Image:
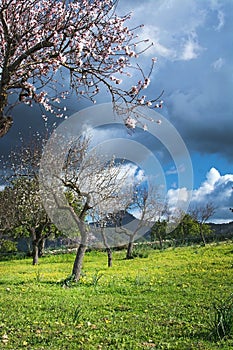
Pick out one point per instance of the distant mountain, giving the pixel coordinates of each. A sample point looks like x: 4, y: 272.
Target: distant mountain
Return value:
x: 222, y: 229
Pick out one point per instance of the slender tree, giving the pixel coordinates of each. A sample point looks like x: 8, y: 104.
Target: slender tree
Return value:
x: 159, y: 231
x: 145, y: 206
x: 82, y: 40
x: 24, y: 214
x: 22, y: 211
x: 108, y: 215
x: 201, y: 214
x: 96, y: 184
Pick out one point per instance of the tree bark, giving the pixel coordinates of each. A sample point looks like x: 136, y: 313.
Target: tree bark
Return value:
x: 108, y: 249
x: 78, y: 262
x: 129, y: 250
x: 109, y: 252
x: 35, y: 252
x: 202, y: 235
x: 41, y: 247
x: 160, y: 241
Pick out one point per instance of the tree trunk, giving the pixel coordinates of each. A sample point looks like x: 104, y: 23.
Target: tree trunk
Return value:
x: 109, y: 252
x: 108, y: 249
x: 35, y: 252
x: 160, y: 241
x: 35, y: 246
x: 202, y: 235
x: 29, y: 246
x: 5, y: 121
x: 41, y: 247
x: 78, y: 263
x: 129, y: 250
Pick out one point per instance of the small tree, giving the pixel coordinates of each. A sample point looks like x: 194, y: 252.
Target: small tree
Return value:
x: 96, y: 184
x: 145, y: 206
x: 24, y: 214
x: 81, y: 39
x: 108, y: 215
x: 201, y: 214
x: 22, y: 211
x: 159, y: 231
x: 188, y: 227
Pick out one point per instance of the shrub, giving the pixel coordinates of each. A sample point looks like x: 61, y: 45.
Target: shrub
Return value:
x: 140, y: 252
x: 7, y: 246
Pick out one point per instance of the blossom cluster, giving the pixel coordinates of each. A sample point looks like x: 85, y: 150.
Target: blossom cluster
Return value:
x: 86, y: 38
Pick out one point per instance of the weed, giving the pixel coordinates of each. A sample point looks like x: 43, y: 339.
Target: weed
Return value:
x: 96, y: 277
x: 68, y: 281
x: 77, y: 314
x: 221, y: 319
x: 38, y: 276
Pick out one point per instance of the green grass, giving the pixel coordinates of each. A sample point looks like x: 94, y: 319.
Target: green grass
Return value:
x: 163, y: 301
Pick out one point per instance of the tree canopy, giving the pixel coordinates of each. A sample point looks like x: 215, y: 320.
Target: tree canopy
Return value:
x: 84, y: 40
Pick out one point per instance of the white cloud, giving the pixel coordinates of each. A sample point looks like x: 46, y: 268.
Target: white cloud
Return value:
x: 168, y: 25
x: 217, y: 65
x: 181, y: 193
x: 207, y: 187
x: 216, y: 189
x: 153, y: 33
x: 163, y: 51
x: 173, y: 170
x: 191, y: 50
x: 221, y: 20
x: 2, y: 187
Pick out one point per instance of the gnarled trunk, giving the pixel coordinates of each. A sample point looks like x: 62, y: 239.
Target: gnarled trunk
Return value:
x: 36, y: 240
x: 5, y: 121
x: 78, y: 262
x: 109, y: 252
x: 35, y: 252
x: 108, y: 249
x: 35, y: 246
x: 129, y: 250
x: 41, y: 247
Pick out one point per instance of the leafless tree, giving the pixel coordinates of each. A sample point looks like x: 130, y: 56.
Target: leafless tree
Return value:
x: 145, y: 206
x: 201, y: 213
x: 97, y: 184
x: 108, y: 215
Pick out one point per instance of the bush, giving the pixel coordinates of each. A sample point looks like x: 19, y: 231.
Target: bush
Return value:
x: 7, y: 246
x: 140, y: 252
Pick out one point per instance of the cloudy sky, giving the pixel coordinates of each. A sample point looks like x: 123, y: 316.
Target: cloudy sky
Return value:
x: 194, y: 48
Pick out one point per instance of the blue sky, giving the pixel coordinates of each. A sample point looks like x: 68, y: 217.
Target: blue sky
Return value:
x: 194, y: 47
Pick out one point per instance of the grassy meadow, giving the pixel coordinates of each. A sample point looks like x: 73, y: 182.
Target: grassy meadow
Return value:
x: 163, y: 301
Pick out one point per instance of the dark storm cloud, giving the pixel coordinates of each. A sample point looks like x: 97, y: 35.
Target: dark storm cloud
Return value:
x: 194, y: 47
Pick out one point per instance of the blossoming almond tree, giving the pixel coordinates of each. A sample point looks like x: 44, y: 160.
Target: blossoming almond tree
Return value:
x: 98, y: 185
x: 84, y: 40
x: 21, y: 209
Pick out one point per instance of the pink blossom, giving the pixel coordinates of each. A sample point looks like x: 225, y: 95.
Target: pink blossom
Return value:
x: 85, y: 39
x: 130, y: 123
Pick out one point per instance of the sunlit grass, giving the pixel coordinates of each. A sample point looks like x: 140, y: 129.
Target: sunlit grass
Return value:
x: 159, y: 302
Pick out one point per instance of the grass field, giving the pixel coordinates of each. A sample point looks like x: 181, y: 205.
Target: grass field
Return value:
x: 164, y: 301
